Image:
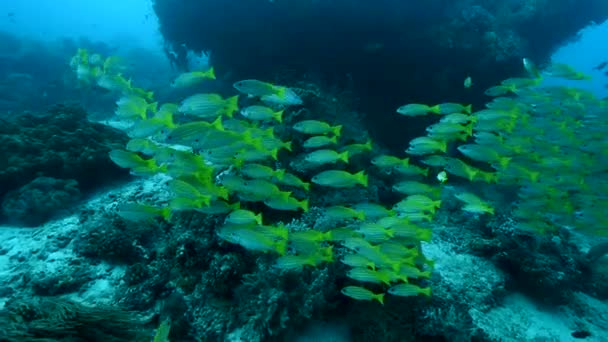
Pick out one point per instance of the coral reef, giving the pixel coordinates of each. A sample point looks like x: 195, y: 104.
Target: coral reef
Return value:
x: 545, y: 267
x: 54, y: 319
x: 39, y: 200
x: 60, y: 143
x: 220, y: 288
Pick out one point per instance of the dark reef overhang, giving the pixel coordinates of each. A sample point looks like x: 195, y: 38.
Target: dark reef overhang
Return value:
x: 394, y: 51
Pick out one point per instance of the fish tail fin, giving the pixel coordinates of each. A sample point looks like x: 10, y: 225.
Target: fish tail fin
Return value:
x: 274, y: 153
x: 281, y: 231
x: 232, y: 105
x: 217, y: 124
x: 304, y: 205
x: 468, y: 130
x: 281, y: 247
x: 344, y: 156
x: 279, y: 174
x: 165, y: 118
x: 362, y: 178
x: 336, y: 130
x: 278, y: 116
x: 206, y: 200
x: 210, y: 73
x: 166, y: 213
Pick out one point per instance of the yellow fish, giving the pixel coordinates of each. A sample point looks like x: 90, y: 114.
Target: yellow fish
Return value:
x: 360, y: 293
x: 192, y: 78
x: 340, y: 179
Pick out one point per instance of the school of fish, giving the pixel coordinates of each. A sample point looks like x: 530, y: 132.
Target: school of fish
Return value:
x: 542, y: 141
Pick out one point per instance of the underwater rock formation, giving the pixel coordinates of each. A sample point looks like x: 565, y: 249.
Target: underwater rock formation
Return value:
x: 40, y: 200
x: 60, y: 144
x: 390, y: 50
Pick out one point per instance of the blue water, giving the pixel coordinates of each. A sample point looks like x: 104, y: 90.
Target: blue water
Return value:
x: 586, y: 53
x: 133, y: 23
